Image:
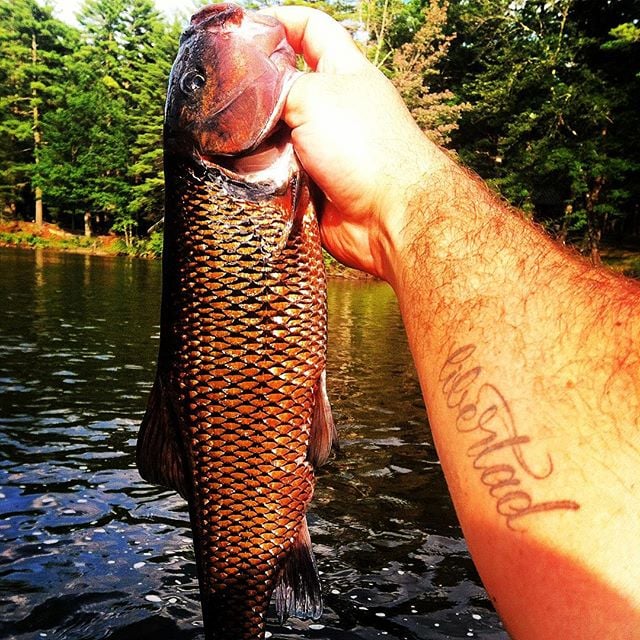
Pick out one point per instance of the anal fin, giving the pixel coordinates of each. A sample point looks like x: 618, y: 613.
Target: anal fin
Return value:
x: 159, y: 454
x: 323, y: 437
x: 298, y: 591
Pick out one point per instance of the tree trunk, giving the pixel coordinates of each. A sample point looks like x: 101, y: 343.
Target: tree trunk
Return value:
x: 563, y: 232
x: 87, y: 224
x: 594, y: 226
x: 381, y: 35
x: 39, y: 210
x: 594, y: 247
x: 37, y: 139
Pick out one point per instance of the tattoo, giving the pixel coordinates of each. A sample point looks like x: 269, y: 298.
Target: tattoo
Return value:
x: 499, y: 453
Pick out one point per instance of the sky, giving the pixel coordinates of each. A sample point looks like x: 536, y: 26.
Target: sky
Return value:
x: 65, y: 9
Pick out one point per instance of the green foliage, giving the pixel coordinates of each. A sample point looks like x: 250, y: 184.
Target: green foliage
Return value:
x: 623, y: 36
x: 554, y: 123
x: 146, y: 247
x: 416, y: 72
x: 146, y: 170
x: 94, y: 142
x: 154, y: 243
x: 30, y: 240
x: 84, y: 164
x: 33, y: 47
x: 545, y: 93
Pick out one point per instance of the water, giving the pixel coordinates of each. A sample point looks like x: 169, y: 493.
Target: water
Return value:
x: 89, y: 551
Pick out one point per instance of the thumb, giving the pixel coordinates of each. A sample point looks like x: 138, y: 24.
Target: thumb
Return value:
x: 325, y: 45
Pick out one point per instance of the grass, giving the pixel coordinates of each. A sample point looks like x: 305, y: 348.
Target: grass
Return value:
x: 25, y: 239
x: 26, y: 236
x: 51, y: 237
x: 625, y: 261
x: 148, y: 247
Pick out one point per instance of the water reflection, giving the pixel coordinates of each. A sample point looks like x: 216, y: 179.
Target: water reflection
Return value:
x: 87, y: 550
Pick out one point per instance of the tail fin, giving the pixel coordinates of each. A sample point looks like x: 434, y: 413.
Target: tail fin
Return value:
x: 298, y: 591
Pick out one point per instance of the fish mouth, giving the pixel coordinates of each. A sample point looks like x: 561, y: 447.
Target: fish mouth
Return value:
x: 271, y: 162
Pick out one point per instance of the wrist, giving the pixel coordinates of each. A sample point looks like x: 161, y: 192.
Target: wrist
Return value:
x: 412, y: 214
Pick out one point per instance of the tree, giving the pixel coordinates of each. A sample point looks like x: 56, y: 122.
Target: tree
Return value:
x: 416, y: 68
x: 409, y: 41
x: 136, y: 49
x: 33, y: 45
x: 86, y: 157
x: 378, y: 17
x: 146, y: 170
x: 104, y: 156
x: 550, y: 113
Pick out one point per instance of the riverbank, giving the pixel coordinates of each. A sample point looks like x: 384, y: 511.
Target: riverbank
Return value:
x: 622, y: 260
x: 27, y: 235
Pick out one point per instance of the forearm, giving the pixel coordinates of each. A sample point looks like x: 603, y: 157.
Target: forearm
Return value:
x: 529, y: 370
x: 528, y: 359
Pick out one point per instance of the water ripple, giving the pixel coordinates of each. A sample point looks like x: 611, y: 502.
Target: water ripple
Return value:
x: 88, y: 550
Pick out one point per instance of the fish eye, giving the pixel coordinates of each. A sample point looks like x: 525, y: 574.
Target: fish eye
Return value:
x: 192, y: 82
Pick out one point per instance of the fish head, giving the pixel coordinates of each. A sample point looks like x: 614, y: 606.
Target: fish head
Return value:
x: 226, y: 94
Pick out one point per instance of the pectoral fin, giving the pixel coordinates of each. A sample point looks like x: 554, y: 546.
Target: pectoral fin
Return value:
x: 323, y: 437
x: 159, y: 454
x: 297, y: 591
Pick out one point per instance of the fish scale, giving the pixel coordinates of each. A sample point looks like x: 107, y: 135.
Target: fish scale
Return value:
x: 238, y: 415
x: 245, y: 342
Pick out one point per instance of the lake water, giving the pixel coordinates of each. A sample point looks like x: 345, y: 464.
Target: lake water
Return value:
x: 88, y: 551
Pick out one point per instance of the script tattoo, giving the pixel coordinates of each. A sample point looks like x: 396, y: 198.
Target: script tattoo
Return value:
x: 498, y: 452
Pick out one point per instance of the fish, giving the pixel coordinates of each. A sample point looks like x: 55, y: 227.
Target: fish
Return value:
x: 238, y: 418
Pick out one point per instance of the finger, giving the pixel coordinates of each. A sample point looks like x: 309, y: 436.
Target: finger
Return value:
x: 325, y: 45
x: 305, y: 94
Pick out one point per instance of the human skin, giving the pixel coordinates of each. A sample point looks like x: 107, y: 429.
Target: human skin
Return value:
x: 528, y: 357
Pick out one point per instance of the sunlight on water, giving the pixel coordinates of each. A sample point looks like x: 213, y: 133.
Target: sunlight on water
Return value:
x: 88, y: 550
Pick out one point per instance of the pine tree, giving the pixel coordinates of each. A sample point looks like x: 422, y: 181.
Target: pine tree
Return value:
x: 146, y: 170
x: 86, y: 158
x: 137, y: 48
x: 33, y: 46
x: 114, y: 97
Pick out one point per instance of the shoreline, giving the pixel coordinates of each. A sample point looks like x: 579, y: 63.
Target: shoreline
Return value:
x: 28, y: 236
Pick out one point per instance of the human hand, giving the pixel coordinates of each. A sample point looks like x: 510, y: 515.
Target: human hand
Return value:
x: 357, y: 141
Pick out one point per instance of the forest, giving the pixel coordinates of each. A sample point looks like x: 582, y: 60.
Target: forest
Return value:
x: 539, y: 97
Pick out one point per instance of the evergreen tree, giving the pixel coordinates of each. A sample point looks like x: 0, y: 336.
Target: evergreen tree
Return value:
x: 33, y: 47
x: 136, y: 49
x: 146, y: 170
x: 104, y: 160
x: 554, y: 87
x: 85, y: 161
